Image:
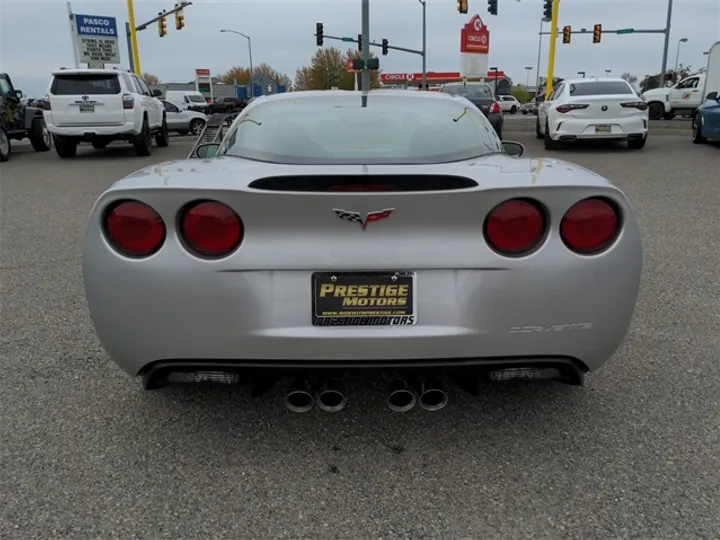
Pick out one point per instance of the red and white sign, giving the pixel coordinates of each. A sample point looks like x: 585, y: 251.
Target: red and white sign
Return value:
x: 475, y: 37
x: 393, y: 77
x: 202, y: 72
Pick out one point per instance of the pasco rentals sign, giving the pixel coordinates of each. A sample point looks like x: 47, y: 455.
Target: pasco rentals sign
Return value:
x: 96, y: 39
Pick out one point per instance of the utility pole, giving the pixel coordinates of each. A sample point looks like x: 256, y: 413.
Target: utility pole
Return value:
x: 661, y: 82
x: 424, y: 43
x: 365, y: 50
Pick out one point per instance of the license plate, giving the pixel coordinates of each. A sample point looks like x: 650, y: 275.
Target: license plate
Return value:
x: 363, y: 298
x: 84, y: 107
x: 603, y: 128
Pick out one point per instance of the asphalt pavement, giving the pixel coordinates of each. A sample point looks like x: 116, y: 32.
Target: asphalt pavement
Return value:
x: 86, y: 454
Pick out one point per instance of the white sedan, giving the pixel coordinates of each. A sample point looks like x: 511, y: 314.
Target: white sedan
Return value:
x: 580, y: 109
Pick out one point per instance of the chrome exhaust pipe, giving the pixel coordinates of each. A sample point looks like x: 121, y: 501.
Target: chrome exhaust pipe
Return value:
x: 432, y: 395
x: 331, y: 397
x: 299, y: 397
x: 400, y: 398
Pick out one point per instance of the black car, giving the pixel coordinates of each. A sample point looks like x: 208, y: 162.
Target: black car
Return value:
x: 481, y: 95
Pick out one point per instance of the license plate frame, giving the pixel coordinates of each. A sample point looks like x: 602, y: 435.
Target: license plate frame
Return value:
x: 87, y: 107
x: 328, y: 307
x: 603, y: 128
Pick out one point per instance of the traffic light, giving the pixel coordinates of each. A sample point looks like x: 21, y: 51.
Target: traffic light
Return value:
x: 162, y: 26
x: 493, y: 7
x: 179, y: 20
x: 567, y: 32
x: 360, y: 42
x: 597, y: 33
x: 462, y: 6
x: 384, y: 46
x: 547, y: 10
x: 319, y: 34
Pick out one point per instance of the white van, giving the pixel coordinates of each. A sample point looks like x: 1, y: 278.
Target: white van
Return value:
x: 188, y: 100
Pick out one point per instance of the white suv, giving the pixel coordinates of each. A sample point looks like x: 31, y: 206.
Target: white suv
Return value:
x: 101, y: 106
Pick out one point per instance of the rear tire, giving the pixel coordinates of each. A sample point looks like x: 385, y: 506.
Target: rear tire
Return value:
x: 162, y: 139
x: 538, y: 133
x: 65, y: 148
x: 99, y: 145
x: 5, y: 146
x: 697, y: 136
x: 656, y: 111
x: 549, y: 143
x: 196, y: 127
x: 637, y: 144
x: 143, y: 142
x: 39, y: 135
x: 513, y: 109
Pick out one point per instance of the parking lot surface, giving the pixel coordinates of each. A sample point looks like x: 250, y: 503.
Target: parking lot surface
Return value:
x: 85, y: 453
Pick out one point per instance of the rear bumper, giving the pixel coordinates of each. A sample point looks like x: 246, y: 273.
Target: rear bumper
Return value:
x: 620, y: 128
x: 470, y: 371
x: 87, y: 132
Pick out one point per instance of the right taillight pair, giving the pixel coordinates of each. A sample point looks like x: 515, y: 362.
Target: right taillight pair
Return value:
x: 128, y: 101
x: 207, y: 229
x: 641, y: 105
x: 518, y: 227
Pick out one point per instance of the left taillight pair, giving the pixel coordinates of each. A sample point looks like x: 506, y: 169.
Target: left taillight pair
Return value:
x: 207, y: 229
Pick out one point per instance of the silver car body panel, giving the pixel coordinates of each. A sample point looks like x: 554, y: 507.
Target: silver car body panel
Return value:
x: 256, y: 303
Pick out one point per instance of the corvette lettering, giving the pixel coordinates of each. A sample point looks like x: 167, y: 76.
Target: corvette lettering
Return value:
x: 573, y: 327
x: 356, y: 217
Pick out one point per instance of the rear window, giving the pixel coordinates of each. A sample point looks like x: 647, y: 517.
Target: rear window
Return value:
x: 600, y: 88
x: 338, y: 130
x: 79, y: 84
x: 469, y: 91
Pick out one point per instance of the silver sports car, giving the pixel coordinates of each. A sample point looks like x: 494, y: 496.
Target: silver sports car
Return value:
x: 327, y: 236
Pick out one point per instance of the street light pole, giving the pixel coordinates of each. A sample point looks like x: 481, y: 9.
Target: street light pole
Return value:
x: 661, y: 82
x: 424, y: 43
x: 252, y: 71
x: 537, y: 73
x: 677, y: 56
x: 527, y: 78
x: 608, y: 71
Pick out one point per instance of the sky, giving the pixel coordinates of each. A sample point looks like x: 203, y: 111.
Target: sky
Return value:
x: 35, y: 36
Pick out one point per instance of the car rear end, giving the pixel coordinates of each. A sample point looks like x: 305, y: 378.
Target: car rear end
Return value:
x: 481, y: 95
x: 601, y: 110
x: 89, y: 103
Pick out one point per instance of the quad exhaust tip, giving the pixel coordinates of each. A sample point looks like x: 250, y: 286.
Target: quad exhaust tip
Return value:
x: 400, y: 398
x: 299, y: 398
x: 331, y: 397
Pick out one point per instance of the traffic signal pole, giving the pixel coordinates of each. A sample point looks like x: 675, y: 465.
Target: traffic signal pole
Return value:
x: 365, y: 51
x: 551, y: 54
x: 135, y: 64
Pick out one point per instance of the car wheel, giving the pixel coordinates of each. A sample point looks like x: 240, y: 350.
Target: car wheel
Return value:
x: 40, y: 136
x: 697, y: 135
x: 669, y: 116
x: 524, y: 111
x: 656, y: 111
x: 550, y: 144
x: 196, y: 126
x: 4, y: 146
x: 513, y: 109
x: 162, y: 139
x: 637, y: 144
x: 99, y: 145
x: 65, y: 148
x: 538, y: 133
x: 143, y: 141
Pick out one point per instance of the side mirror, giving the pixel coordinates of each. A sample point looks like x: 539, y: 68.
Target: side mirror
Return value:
x: 713, y: 95
x: 18, y: 94
x: 206, y: 151
x: 513, y: 148
x: 156, y: 92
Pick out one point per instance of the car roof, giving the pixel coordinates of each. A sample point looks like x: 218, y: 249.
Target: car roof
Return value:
x: 315, y: 94
x: 87, y: 71
x: 594, y: 79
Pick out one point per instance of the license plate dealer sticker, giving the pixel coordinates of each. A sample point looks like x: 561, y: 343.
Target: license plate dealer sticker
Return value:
x: 603, y: 128
x: 363, y: 299
x: 87, y: 107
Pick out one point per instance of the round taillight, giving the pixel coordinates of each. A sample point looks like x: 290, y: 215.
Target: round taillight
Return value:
x: 211, y: 229
x: 515, y: 227
x: 134, y: 228
x: 590, y: 226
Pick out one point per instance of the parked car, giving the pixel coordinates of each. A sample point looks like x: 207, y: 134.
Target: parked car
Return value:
x: 184, y: 121
x: 509, y: 104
